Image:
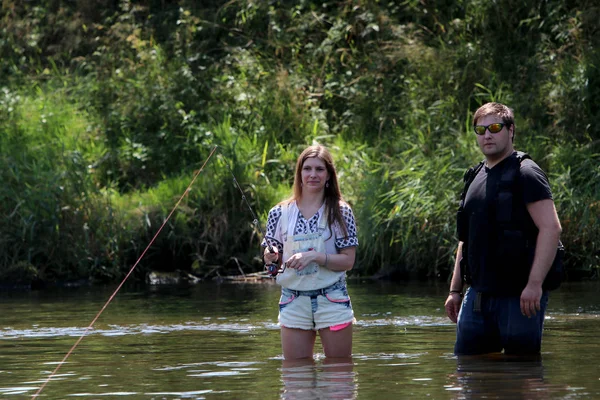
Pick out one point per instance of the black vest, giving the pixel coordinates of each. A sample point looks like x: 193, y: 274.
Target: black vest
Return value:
x: 510, y: 235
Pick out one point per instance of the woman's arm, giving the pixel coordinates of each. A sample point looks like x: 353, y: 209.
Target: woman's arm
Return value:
x: 343, y: 261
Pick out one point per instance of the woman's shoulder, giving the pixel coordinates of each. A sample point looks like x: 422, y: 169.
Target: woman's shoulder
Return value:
x: 275, y: 210
x: 278, y: 208
x: 344, y: 206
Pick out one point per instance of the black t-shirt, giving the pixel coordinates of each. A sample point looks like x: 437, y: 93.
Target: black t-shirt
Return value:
x: 489, y: 271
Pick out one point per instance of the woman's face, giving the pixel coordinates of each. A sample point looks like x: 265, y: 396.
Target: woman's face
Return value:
x: 314, y: 174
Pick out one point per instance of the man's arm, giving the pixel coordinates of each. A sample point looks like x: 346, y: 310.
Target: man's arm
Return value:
x: 543, y: 213
x: 454, y: 300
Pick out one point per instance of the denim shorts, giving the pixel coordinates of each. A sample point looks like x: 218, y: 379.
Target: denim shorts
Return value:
x: 315, y: 309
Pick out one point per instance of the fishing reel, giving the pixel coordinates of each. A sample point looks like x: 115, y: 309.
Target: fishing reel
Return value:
x: 272, y: 269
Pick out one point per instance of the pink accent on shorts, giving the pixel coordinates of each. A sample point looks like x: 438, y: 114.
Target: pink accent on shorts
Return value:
x: 335, y: 327
x: 339, y: 327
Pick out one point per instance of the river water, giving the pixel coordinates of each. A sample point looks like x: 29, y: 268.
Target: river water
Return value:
x: 221, y: 341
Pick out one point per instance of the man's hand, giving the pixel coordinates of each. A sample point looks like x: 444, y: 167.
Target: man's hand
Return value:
x: 530, y: 300
x: 452, y: 305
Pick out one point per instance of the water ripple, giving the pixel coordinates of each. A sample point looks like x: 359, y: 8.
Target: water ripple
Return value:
x: 239, y: 326
x: 415, y: 320
x: 120, y: 330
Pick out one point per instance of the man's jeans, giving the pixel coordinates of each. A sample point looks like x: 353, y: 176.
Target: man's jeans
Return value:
x: 489, y: 324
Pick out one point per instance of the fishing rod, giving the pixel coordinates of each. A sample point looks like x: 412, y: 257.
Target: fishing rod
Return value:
x: 272, y: 268
x: 187, y: 190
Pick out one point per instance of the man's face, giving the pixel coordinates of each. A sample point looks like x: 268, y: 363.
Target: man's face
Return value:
x: 495, y: 146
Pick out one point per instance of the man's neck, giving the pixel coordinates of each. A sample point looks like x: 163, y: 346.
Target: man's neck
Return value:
x: 491, y: 162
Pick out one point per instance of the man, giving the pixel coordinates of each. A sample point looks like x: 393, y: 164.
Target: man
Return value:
x: 508, y: 236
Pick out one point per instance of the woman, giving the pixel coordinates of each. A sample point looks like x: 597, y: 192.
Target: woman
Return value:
x: 313, y: 235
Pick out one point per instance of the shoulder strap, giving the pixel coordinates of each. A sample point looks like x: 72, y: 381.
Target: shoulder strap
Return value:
x: 513, y: 169
x: 522, y: 156
x: 461, y: 218
x: 283, y: 225
x: 323, y: 220
x: 506, y: 188
x: 468, y: 179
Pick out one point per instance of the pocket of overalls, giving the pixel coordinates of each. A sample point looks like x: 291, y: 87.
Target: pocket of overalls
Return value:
x: 339, y: 296
x: 286, y: 298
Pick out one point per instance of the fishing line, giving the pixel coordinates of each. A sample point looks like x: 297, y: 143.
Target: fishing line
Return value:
x: 127, y: 276
x: 272, y: 269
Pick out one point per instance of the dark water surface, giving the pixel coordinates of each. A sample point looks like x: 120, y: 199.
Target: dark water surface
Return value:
x: 221, y: 341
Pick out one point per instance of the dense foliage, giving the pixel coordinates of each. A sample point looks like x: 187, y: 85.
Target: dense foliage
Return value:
x: 108, y: 108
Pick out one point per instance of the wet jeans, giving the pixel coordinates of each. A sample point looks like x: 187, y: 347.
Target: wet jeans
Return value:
x: 489, y: 324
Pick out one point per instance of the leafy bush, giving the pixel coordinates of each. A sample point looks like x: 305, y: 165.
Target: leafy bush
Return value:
x: 109, y: 107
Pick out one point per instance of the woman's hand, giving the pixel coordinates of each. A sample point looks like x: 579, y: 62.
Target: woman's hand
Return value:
x: 271, y: 257
x: 299, y: 261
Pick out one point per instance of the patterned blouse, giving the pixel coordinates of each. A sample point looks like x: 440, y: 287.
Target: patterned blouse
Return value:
x: 304, y: 226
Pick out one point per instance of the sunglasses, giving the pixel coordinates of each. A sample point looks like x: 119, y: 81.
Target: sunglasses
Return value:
x: 493, y: 128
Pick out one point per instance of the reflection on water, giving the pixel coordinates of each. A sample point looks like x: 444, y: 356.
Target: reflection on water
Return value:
x: 501, y: 377
x: 325, y: 379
